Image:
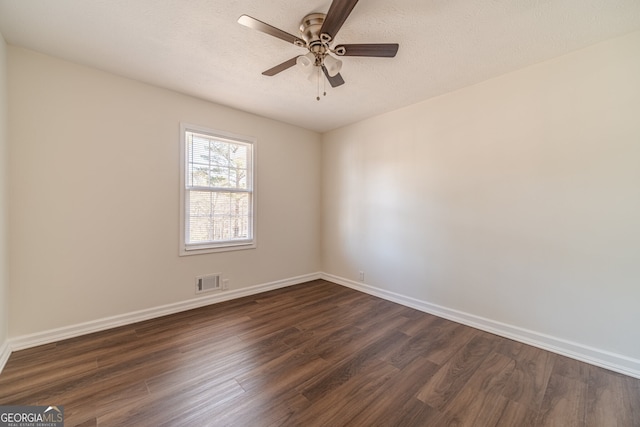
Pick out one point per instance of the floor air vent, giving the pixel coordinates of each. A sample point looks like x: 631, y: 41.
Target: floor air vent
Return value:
x: 210, y: 282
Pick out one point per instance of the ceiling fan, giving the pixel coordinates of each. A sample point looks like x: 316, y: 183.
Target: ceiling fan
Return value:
x: 317, y: 31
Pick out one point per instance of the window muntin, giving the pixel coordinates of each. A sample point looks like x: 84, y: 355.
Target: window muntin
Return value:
x: 217, y: 191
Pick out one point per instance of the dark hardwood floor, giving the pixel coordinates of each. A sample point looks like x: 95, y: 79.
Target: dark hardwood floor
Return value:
x: 316, y: 354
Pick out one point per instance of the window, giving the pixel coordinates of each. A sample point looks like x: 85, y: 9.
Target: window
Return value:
x: 217, y: 191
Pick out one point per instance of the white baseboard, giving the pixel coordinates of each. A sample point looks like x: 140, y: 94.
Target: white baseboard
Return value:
x: 5, y: 352
x: 53, y: 335
x: 605, y: 359
x: 602, y: 358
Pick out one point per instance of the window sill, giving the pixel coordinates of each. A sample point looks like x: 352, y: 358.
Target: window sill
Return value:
x: 217, y: 248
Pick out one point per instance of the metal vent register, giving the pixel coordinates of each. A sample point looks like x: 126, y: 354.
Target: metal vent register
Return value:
x: 210, y: 282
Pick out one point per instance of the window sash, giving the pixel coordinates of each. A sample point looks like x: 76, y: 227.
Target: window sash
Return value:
x: 217, y: 219
x: 208, y: 160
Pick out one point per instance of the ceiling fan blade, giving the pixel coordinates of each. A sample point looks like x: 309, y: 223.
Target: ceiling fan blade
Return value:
x: 380, y: 50
x: 334, y: 81
x: 338, y: 13
x: 280, y: 67
x: 250, y: 22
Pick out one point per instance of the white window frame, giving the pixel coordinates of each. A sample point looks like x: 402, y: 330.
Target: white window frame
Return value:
x: 223, y: 246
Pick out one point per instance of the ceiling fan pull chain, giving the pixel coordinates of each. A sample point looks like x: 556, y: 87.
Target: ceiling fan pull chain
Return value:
x: 318, y: 95
x: 324, y: 87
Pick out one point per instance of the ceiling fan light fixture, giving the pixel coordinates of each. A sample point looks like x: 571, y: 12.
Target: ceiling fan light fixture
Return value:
x: 333, y: 65
x: 306, y: 60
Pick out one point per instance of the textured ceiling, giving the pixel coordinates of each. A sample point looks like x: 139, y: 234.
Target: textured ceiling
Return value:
x: 197, y: 47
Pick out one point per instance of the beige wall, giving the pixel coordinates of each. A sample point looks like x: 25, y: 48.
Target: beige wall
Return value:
x: 94, y: 196
x: 516, y: 200
x: 4, y: 254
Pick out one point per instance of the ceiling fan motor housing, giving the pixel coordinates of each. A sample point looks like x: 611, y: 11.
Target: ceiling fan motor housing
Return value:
x: 310, y: 31
x: 310, y: 28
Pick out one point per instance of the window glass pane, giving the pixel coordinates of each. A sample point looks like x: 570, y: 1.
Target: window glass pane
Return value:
x: 199, y: 175
x: 218, y: 216
x: 200, y: 147
x: 219, y: 177
x: 238, y: 155
x: 242, y: 179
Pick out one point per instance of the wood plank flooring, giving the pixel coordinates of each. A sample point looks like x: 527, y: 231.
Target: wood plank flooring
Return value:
x: 315, y: 354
